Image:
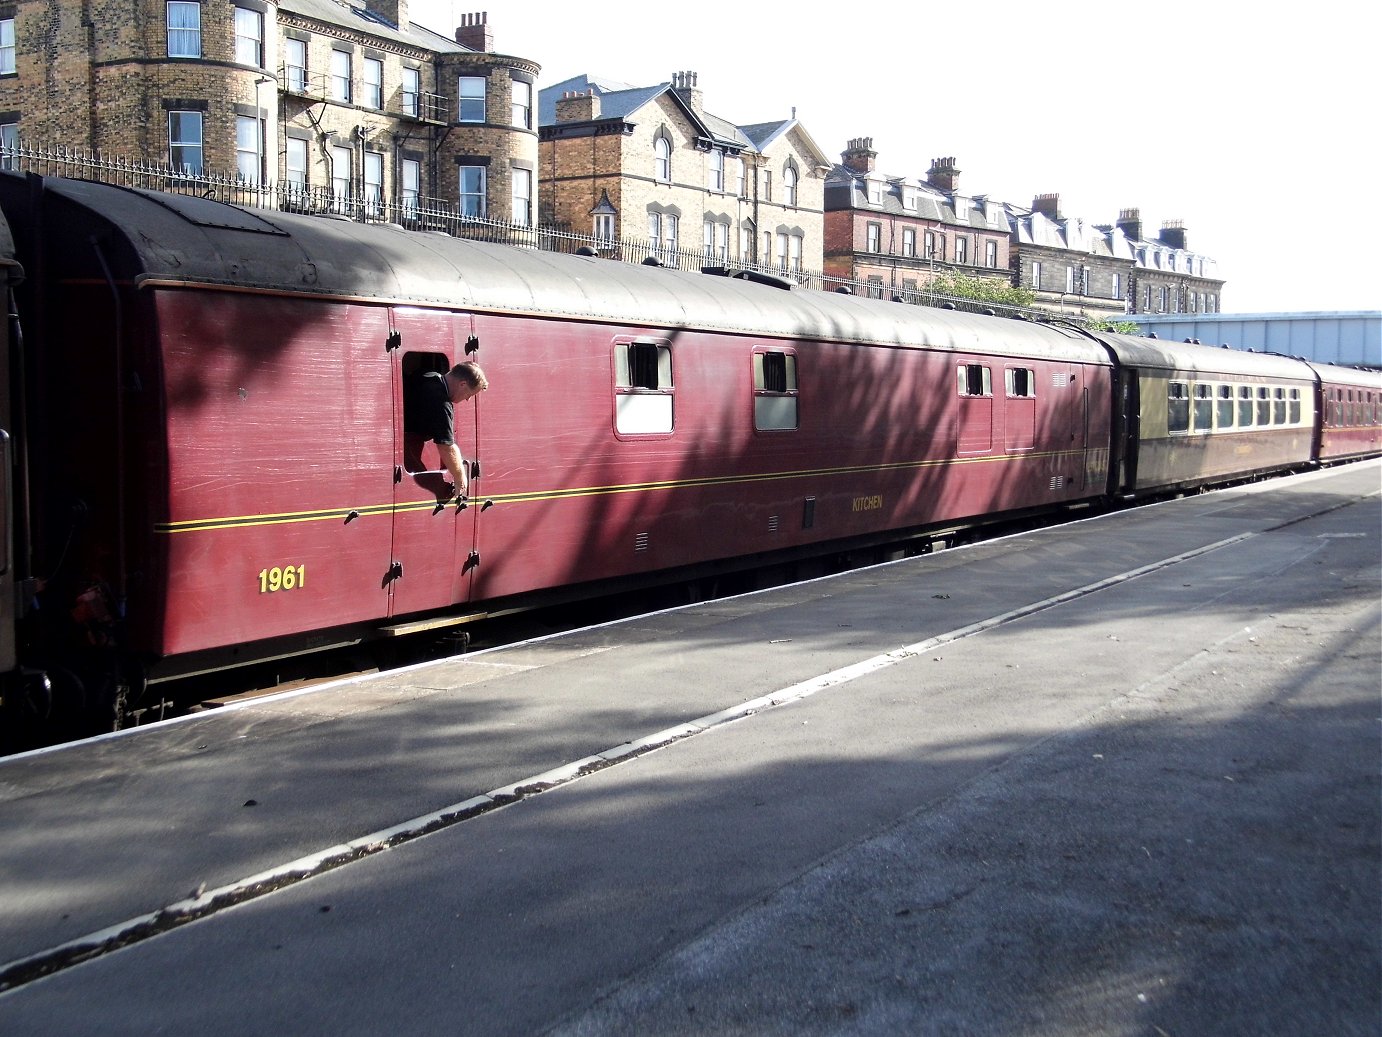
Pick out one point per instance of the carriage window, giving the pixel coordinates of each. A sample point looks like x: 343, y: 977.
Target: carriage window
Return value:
x: 1223, y: 417
x: 1278, y: 406
x: 774, y: 390
x: 1294, y: 417
x: 1264, y: 405
x: 642, y: 387
x: 1021, y: 381
x: 1245, y: 406
x: 975, y: 380
x: 419, y: 450
x: 1178, y: 407
x: 1204, y: 407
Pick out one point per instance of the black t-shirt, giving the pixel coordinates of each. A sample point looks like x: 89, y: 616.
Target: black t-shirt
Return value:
x: 427, y: 410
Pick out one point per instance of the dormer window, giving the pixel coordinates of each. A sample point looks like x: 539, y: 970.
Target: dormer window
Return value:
x: 909, y: 198
x: 875, y: 191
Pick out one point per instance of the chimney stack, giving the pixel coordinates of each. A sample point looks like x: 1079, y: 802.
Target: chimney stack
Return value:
x: 474, y: 32
x: 684, y: 84
x: 1173, y: 233
x: 1048, y: 205
x: 578, y: 106
x: 860, y: 155
x: 943, y: 175
x: 1130, y: 223
x: 395, y: 12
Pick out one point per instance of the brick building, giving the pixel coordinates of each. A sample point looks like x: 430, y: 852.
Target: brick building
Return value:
x: 1070, y: 266
x: 342, y: 101
x: 1103, y: 271
x: 629, y: 163
x: 1167, y: 277
x: 897, y: 233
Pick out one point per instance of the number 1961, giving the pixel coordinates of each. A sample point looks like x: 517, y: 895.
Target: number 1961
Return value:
x: 283, y: 578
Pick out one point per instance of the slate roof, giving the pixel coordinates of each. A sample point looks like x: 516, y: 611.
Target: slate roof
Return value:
x: 621, y: 101
x: 350, y: 14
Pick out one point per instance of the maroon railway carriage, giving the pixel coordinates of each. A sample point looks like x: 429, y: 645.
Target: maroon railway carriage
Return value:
x: 1350, y: 409
x: 223, y: 474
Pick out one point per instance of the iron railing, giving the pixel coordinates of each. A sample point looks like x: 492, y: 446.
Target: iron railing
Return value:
x: 366, y: 204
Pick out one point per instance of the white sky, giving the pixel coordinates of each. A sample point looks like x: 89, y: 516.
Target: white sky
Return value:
x: 1257, y: 126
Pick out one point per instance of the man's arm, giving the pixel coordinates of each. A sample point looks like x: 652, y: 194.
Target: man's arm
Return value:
x: 455, y: 464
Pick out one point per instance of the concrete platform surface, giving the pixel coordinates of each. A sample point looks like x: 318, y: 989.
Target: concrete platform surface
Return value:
x: 1117, y: 777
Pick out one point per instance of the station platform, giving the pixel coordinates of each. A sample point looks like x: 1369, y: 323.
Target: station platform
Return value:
x: 1091, y: 762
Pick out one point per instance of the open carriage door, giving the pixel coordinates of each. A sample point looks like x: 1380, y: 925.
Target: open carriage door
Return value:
x: 431, y: 533
x: 469, y: 436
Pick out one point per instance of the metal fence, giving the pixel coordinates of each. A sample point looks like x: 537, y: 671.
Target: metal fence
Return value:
x: 419, y: 212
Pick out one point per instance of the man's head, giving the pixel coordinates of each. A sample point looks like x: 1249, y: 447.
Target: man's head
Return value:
x: 466, y: 380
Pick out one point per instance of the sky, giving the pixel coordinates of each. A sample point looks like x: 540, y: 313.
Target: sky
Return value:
x: 1255, y: 126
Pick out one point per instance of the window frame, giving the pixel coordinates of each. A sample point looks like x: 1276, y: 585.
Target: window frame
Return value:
x: 469, y: 104
x: 372, y: 183
x: 643, y: 410
x: 974, y: 381
x: 521, y: 196
x: 9, y: 51
x: 1247, y: 411
x: 1225, y: 409
x: 242, y: 17
x: 295, y: 173
x: 1019, y: 383
x: 9, y: 143
x: 342, y: 186
x: 715, y: 171
x: 178, y: 144
x: 371, y: 89
x: 192, y: 33
x: 662, y: 159
x: 521, y: 111
x: 409, y: 186
x: 478, y: 194
x: 774, y: 405
x: 1177, y: 407
x: 1202, y: 407
x: 342, y: 75
x: 294, y: 75
x: 249, y: 155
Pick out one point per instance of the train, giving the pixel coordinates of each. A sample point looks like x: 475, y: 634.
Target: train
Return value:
x: 205, y: 462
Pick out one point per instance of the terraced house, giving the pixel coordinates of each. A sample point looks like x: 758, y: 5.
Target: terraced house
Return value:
x: 340, y: 102
x: 650, y: 164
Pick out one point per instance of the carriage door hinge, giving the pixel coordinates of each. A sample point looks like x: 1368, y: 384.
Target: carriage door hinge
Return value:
x: 395, y: 572
x: 472, y: 345
x: 394, y: 340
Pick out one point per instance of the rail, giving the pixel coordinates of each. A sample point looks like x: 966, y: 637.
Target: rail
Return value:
x: 367, y: 203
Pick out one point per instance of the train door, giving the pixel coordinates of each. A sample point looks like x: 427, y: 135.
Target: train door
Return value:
x: 1127, y: 416
x: 432, y: 532
x: 1078, y: 418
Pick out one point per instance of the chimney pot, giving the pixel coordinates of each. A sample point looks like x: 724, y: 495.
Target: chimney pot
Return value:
x: 474, y: 32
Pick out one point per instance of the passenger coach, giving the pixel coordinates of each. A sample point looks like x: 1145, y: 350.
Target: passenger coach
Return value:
x: 211, y: 467
x: 1191, y: 415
